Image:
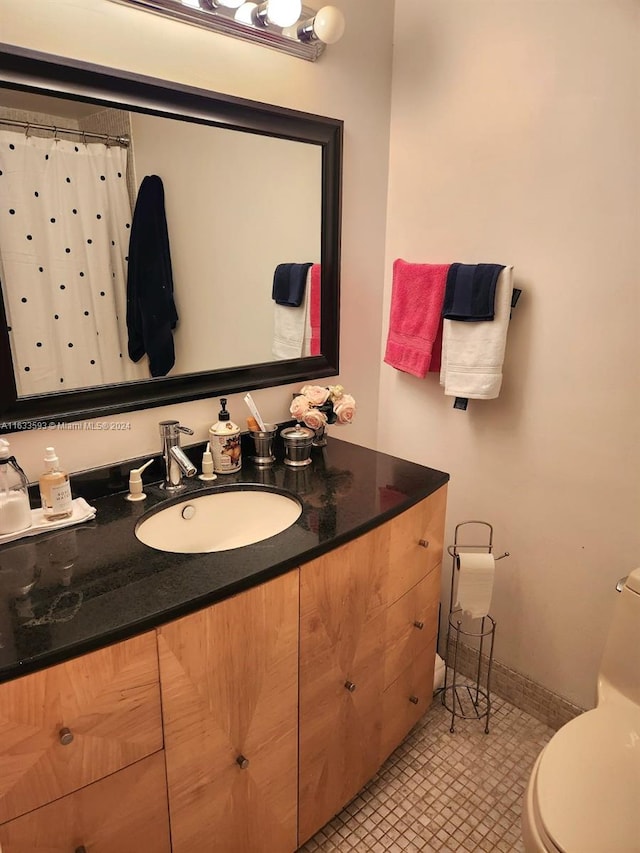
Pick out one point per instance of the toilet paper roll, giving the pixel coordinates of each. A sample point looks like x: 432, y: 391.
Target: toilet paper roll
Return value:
x: 475, y: 583
x: 438, y: 673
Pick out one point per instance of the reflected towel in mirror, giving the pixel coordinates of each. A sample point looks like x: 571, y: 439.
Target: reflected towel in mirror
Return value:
x: 151, y: 311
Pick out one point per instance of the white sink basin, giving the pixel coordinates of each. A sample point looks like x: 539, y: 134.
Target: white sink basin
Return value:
x: 218, y: 521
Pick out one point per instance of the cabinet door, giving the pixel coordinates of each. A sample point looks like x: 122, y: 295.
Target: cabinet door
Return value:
x: 124, y: 813
x: 407, y: 699
x: 416, y: 542
x: 412, y: 623
x: 342, y: 618
x: 74, y: 723
x: 229, y: 677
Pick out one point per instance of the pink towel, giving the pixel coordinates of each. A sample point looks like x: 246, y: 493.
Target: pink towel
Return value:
x: 314, y: 309
x: 417, y: 296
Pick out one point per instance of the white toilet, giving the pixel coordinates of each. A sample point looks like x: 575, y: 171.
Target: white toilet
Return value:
x: 584, y: 791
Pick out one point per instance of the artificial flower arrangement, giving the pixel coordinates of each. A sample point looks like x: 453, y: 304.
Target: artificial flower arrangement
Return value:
x: 316, y: 406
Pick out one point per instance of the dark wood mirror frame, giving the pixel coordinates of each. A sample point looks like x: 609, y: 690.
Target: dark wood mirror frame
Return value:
x: 27, y: 70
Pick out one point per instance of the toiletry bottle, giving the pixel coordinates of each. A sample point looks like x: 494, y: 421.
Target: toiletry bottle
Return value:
x: 55, y: 490
x: 15, y: 510
x: 224, y: 438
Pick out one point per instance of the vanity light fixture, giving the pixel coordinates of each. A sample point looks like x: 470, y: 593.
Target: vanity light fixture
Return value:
x: 284, y: 25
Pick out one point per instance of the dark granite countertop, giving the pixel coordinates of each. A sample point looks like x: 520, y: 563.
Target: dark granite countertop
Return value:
x: 72, y: 591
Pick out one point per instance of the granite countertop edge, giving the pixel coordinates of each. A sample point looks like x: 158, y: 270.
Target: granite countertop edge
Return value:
x: 121, y: 588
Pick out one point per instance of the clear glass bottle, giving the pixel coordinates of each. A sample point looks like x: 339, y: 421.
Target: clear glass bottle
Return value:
x: 55, y: 489
x: 15, y: 510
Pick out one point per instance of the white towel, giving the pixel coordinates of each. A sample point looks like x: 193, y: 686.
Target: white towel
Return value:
x: 292, y: 327
x: 82, y: 511
x: 473, y: 353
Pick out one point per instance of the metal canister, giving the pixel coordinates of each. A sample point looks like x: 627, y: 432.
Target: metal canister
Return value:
x: 297, y: 445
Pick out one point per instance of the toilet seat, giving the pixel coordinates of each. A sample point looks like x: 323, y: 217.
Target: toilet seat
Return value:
x: 587, y: 785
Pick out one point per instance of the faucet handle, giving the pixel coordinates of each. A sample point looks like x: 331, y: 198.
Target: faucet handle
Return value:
x: 170, y: 429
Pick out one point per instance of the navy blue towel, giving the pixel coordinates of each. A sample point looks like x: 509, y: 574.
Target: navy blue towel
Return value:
x: 470, y: 292
x: 151, y: 311
x: 289, y: 282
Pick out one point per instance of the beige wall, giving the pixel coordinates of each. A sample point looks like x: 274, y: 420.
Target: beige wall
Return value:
x: 514, y: 139
x: 351, y: 81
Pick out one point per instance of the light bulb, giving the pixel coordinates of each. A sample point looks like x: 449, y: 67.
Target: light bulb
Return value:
x: 229, y: 4
x: 245, y: 13
x: 283, y: 13
x: 328, y: 24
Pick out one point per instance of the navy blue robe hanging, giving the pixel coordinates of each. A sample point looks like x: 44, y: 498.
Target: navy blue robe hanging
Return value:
x: 151, y: 311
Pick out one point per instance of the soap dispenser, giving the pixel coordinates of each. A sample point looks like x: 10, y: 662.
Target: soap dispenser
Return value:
x: 224, y: 439
x: 55, y: 489
x: 15, y: 510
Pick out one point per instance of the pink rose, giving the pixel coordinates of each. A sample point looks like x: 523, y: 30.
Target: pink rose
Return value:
x: 299, y: 406
x: 345, y: 409
x: 314, y: 418
x: 316, y: 394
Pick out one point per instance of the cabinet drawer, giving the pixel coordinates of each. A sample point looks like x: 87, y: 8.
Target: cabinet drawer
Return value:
x: 230, y: 700
x: 342, y: 632
x: 409, y: 560
x: 71, y: 724
x: 340, y: 729
x: 412, y: 622
x: 407, y: 699
x: 124, y: 813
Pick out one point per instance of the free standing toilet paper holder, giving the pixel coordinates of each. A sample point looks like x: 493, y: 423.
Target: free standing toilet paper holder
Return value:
x: 464, y: 700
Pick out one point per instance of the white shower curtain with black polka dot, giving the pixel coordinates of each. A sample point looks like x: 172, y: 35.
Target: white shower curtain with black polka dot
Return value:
x: 64, y: 236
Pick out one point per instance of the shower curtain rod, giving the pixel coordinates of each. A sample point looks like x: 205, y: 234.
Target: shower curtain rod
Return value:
x: 85, y: 134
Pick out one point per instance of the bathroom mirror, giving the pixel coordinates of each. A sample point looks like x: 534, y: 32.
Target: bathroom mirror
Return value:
x: 265, y: 189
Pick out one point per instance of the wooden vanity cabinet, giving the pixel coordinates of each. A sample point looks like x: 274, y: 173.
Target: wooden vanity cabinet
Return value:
x: 69, y: 725
x: 124, y: 813
x: 229, y: 677
x: 368, y: 625
x: 277, y: 706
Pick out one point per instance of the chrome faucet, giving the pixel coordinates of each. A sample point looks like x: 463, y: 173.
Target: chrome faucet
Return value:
x: 176, y: 461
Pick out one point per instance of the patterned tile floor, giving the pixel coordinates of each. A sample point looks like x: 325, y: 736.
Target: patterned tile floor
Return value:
x: 444, y: 792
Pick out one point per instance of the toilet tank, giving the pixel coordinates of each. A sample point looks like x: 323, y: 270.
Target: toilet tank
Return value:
x: 619, y: 677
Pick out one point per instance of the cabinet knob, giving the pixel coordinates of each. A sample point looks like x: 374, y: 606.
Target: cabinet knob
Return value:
x: 423, y: 543
x: 418, y: 624
x: 81, y: 849
x: 242, y: 762
x: 66, y: 737
x: 350, y: 686
x: 413, y: 699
